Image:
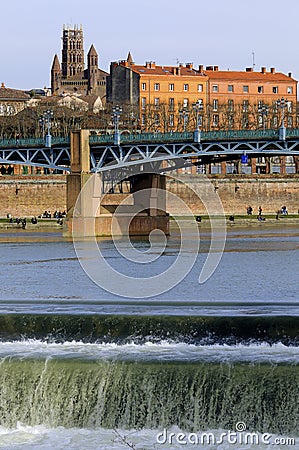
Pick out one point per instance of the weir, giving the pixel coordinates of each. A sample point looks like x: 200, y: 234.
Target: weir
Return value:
x: 125, y: 328
x: 134, y: 395
x: 88, y: 211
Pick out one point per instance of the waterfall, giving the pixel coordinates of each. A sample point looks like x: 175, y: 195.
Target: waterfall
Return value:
x: 89, y: 394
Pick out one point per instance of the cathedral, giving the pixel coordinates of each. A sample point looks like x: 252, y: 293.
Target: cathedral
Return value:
x: 71, y: 77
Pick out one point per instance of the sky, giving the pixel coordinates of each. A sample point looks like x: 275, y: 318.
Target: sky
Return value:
x: 232, y: 34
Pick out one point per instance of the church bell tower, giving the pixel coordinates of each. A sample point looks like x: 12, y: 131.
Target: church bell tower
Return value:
x: 72, y: 51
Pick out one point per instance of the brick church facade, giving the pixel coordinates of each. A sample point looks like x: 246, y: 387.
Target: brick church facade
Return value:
x: 71, y: 76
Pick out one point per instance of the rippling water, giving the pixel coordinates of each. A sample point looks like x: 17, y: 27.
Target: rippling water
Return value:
x: 258, y: 269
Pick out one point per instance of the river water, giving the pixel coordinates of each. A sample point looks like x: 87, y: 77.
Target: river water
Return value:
x: 83, y: 368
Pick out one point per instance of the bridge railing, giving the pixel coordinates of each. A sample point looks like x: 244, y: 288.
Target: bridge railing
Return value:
x: 33, y: 142
x: 188, y: 136
x: 155, y: 137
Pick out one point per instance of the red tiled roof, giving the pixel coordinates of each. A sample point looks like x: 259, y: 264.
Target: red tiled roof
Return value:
x: 249, y: 76
x: 165, y: 70
x: 152, y: 69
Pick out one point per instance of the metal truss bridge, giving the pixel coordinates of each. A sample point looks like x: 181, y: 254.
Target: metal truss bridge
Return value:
x: 152, y: 148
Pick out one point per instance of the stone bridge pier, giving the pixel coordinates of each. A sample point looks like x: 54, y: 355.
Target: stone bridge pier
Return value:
x: 136, y: 212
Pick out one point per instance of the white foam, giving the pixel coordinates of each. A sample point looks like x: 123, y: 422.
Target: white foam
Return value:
x: 41, y: 438
x: 162, y: 351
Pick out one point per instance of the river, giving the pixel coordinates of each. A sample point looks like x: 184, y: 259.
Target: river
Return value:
x: 197, y: 366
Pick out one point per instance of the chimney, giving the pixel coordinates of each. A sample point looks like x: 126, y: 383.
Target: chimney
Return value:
x: 2, y: 85
x: 209, y: 68
x: 152, y: 65
x: 177, y: 70
x: 290, y: 74
x: 200, y: 68
x: 263, y: 69
x: 148, y: 65
x: 249, y: 69
x: 181, y: 64
x: 272, y: 69
x: 215, y: 68
x: 189, y: 65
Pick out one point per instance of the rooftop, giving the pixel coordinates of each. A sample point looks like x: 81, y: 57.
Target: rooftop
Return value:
x: 12, y: 94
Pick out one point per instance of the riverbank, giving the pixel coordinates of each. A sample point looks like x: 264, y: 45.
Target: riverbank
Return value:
x: 202, y: 220
x: 42, y: 224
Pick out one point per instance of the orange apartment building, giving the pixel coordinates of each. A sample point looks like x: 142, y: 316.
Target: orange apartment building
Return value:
x: 165, y: 96
x: 248, y: 99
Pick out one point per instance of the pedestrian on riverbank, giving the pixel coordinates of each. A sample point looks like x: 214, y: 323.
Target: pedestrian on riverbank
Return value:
x: 260, y: 210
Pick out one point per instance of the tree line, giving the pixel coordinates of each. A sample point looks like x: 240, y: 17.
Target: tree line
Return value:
x: 150, y: 118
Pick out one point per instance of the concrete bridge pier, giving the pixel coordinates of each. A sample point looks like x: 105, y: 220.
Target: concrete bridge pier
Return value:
x: 101, y: 215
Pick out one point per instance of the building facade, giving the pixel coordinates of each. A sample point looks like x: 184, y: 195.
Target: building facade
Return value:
x: 250, y: 99
x: 165, y: 96
x: 178, y: 97
x: 70, y: 77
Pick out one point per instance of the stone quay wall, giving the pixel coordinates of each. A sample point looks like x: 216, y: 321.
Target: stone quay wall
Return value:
x: 30, y: 195
x: 238, y: 192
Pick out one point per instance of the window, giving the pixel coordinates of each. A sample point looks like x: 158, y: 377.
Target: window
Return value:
x: 156, y: 102
x: 260, y: 89
x: 143, y: 119
x: 230, y: 88
x: 157, y: 119
x: 186, y: 87
x: 143, y: 103
x: 171, y: 86
x: 171, y: 120
x: 215, y: 105
x: 199, y: 87
x: 200, y: 103
x: 143, y: 86
x: 245, y: 105
x: 185, y: 103
x: 290, y: 122
x: 275, y: 107
x: 245, y: 89
x: 230, y: 105
x: 215, y: 88
x: 290, y: 90
x: 215, y: 120
x: 171, y: 104
x: 275, y: 89
x: 157, y: 86
x: 290, y: 106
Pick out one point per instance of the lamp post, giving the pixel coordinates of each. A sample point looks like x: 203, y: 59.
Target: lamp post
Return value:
x: 263, y: 111
x: 41, y: 121
x: 184, y: 114
x: 282, y: 104
x: 45, y: 122
x: 196, y: 134
x: 116, y: 112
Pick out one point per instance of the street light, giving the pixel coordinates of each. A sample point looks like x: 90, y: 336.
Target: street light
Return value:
x: 45, y: 122
x: 197, y: 107
x: 116, y: 112
x: 282, y: 104
x: 184, y: 114
x: 263, y: 111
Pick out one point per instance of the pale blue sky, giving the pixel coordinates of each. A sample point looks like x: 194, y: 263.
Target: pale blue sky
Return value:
x: 219, y: 32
